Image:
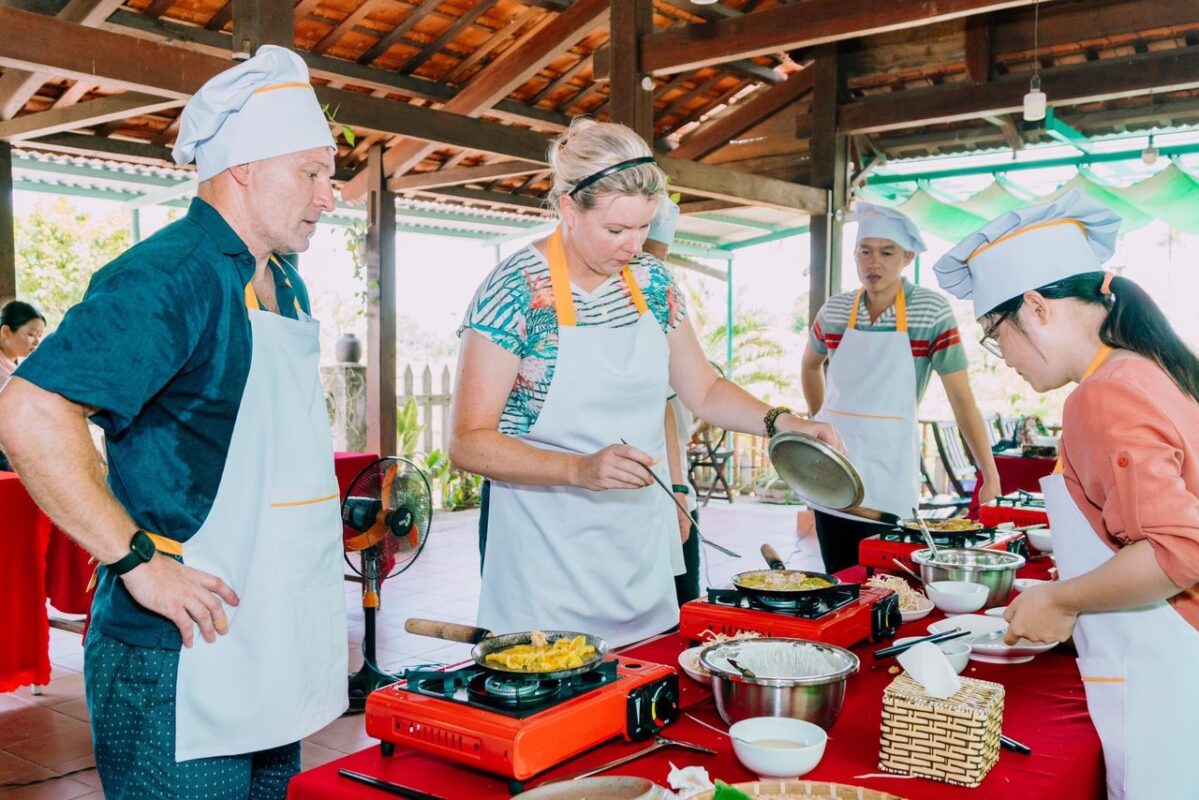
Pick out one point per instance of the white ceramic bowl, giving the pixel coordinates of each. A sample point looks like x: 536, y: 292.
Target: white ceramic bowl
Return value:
x: 1020, y: 584
x: 926, y: 608
x: 993, y: 651
x: 956, y: 651
x: 1041, y: 538
x: 778, y: 747
x: 957, y: 597
x: 689, y: 661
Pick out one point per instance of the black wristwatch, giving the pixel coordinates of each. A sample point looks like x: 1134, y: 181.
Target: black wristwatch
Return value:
x: 141, y: 550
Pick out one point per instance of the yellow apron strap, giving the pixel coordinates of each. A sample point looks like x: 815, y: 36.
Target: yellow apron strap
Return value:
x: 564, y: 304
x: 252, y: 297
x: 287, y: 281
x: 901, y: 311
x: 853, y: 315
x: 1100, y: 356
x: 161, y: 543
x: 634, y: 291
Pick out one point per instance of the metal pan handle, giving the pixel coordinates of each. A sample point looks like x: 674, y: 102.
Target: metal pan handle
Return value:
x: 450, y: 631
x: 772, y: 557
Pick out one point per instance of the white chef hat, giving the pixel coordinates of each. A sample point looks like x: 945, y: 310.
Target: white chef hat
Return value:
x: 880, y: 222
x: 261, y: 108
x: 1027, y: 248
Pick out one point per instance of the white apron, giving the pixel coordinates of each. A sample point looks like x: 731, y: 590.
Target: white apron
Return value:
x: 871, y: 401
x: 560, y: 557
x: 274, y: 535
x: 1138, y: 667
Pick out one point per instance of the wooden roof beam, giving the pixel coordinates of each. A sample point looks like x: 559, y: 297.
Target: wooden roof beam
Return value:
x: 705, y: 180
x: 789, y: 27
x: 17, y: 86
x: 1107, y: 79
x: 84, y: 115
x: 462, y: 175
x: 497, y: 80
x: 741, y: 118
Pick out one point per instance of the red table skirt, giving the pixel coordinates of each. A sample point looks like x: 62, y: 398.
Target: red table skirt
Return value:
x: 1044, y: 708
x: 24, y: 626
x: 1016, y: 473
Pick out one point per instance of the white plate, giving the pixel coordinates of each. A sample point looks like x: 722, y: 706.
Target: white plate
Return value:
x: 689, y: 661
x: 995, y: 651
x: 996, y: 612
x: 920, y: 613
x: 1020, y: 584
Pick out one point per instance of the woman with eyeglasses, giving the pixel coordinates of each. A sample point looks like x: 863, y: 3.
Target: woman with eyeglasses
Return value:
x: 571, y: 345
x: 1124, y: 501
x: 882, y: 343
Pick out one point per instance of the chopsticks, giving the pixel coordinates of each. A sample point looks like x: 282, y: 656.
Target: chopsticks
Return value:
x: 703, y: 539
x: 936, y: 638
x: 388, y: 786
x: 1016, y: 747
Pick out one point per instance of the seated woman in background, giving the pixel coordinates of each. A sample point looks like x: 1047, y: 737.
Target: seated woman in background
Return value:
x: 1124, y: 501
x: 21, y: 328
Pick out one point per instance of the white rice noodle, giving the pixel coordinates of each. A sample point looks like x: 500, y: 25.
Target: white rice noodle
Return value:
x: 768, y: 659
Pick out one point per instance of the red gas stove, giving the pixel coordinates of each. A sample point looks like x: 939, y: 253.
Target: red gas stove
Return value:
x: 878, y: 551
x: 1021, y: 508
x: 518, y: 728
x: 845, y: 617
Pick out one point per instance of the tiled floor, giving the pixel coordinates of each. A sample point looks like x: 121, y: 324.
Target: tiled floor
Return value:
x: 47, y: 735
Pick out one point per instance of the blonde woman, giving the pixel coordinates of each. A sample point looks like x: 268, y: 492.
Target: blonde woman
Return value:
x: 568, y: 347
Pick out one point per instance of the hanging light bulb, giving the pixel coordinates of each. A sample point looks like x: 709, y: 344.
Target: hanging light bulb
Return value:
x: 1034, y: 101
x: 1149, y: 154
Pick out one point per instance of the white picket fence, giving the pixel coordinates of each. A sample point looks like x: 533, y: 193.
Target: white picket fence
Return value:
x: 433, y: 408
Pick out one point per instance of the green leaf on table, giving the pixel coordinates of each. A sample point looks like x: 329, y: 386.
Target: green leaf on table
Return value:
x: 726, y: 792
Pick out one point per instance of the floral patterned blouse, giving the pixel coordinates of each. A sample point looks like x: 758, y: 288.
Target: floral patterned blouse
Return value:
x: 514, y: 308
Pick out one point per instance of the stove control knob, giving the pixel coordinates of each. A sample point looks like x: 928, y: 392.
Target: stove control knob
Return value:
x: 664, y: 703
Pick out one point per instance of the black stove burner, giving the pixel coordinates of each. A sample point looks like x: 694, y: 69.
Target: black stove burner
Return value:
x: 514, y: 696
x: 804, y: 607
x: 941, y: 538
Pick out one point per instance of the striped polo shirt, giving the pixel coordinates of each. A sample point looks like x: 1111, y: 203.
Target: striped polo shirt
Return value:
x: 514, y: 308
x: 932, y: 329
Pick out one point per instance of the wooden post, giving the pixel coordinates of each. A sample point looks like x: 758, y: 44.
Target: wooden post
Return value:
x: 259, y: 22
x: 380, y: 310
x: 8, y: 228
x: 446, y: 397
x: 630, y: 103
x: 829, y: 163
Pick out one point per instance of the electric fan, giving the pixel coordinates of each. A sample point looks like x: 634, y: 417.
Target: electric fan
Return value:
x: 385, y: 516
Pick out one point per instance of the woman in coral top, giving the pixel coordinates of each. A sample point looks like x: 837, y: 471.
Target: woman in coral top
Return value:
x: 1124, y: 503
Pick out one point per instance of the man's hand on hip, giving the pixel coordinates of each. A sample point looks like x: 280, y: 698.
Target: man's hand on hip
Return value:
x: 185, y: 596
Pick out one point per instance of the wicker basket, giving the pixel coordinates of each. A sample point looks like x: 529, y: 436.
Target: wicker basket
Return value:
x: 813, y: 790
x: 955, y: 740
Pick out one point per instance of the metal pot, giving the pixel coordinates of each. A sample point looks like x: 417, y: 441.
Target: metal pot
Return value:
x: 995, y: 569
x: 815, y: 698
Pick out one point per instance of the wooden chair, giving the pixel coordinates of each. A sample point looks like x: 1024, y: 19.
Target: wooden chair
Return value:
x: 935, y: 500
x: 994, y: 432
x: 955, y: 457
x: 1007, y: 426
x: 711, y: 454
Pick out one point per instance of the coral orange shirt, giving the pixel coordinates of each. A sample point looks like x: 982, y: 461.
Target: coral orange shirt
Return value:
x: 1130, y: 445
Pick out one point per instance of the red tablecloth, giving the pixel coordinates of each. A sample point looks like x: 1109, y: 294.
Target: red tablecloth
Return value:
x: 348, y: 465
x: 24, y: 626
x: 1044, y: 708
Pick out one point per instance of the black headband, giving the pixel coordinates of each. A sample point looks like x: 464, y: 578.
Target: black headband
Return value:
x: 606, y: 171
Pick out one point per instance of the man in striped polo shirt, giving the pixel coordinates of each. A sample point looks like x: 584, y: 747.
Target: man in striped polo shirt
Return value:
x: 881, y: 344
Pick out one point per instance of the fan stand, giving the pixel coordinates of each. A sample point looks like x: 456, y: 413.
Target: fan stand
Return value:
x: 369, y: 677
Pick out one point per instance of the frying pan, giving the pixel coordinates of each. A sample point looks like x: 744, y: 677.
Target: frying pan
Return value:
x: 776, y: 565
x: 485, y: 643
x: 822, y: 476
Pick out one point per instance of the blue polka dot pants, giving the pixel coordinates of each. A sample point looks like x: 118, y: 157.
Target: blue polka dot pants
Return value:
x: 131, y: 699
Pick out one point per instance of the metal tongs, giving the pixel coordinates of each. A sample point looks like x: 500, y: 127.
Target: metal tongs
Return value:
x: 703, y: 539
x: 660, y: 741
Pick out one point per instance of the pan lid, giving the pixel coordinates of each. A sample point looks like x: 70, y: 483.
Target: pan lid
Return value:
x: 817, y: 472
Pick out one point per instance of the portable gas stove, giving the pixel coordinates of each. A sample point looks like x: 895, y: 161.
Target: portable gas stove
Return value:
x: 520, y: 727
x: 845, y: 617
x: 1020, y: 508
x: 876, y: 552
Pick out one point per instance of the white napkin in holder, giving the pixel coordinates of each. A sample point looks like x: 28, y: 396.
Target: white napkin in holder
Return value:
x: 929, y: 667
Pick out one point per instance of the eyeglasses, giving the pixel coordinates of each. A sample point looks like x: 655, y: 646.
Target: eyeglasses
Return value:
x: 990, y: 340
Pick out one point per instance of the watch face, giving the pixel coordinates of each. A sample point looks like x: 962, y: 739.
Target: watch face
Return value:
x: 142, y: 545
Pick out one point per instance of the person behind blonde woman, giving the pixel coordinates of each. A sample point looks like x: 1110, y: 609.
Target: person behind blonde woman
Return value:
x: 570, y: 346
x: 21, y: 328
x: 1124, y: 501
